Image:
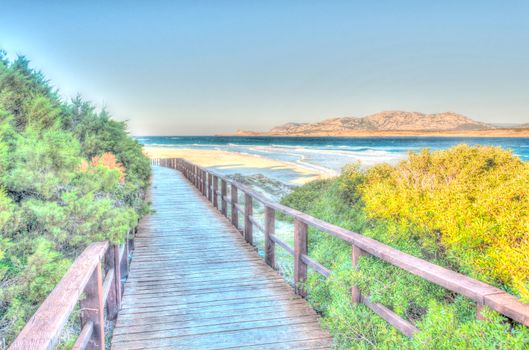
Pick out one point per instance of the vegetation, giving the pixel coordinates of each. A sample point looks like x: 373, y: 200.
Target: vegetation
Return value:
x: 69, y: 175
x: 465, y: 208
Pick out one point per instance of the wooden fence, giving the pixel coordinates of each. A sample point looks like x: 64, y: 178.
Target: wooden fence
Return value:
x: 207, y: 182
x: 97, y: 275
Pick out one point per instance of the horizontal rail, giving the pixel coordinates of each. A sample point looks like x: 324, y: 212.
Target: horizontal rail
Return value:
x: 482, y: 293
x: 282, y: 244
x: 316, y: 266
x: 84, y: 277
x: 256, y: 223
x: 84, y: 336
x: 392, y: 318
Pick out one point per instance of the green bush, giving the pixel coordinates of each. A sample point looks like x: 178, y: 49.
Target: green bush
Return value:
x: 55, y: 199
x: 413, y: 207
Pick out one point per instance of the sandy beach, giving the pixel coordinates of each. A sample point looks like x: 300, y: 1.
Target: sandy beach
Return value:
x: 238, y: 163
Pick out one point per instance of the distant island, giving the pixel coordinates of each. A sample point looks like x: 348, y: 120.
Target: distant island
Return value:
x: 396, y: 123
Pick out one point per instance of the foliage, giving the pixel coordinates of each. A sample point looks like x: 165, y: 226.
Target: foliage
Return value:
x: 471, y: 201
x: 423, y: 206
x: 69, y: 175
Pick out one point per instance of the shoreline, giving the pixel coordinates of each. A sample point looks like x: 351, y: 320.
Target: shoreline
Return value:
x: 239, y: 163
x: 500, y: 133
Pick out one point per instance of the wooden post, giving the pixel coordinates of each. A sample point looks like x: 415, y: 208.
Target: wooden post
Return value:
x: 124, y: 262
x: 224, y: 192
x: 248, y: 212
x: 114, y: 294
x: 92, y: 309
x: 479, y: 315
x: 215, y: 191
x: 355, y: 291
x: 210, y: 182
x: 234, y: 211
x: 300, y: 249
x: 199, y: 179
x: 204, y: 188
x: 270, y: 228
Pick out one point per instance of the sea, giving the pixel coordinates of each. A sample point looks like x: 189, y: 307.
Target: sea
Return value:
x: 330, y: 154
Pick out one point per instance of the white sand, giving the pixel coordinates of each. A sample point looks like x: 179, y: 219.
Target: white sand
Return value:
x: 232, y: 162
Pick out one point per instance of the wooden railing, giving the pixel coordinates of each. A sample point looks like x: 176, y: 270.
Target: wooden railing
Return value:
x: 207, y: 182
x: 94, y: 280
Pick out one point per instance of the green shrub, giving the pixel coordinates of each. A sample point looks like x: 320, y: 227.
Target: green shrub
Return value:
x: 53, y: 201
x: 397, y: 206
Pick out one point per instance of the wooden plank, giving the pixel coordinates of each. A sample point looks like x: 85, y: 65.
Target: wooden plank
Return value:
x: 508, y: 305
x: 194, y: 282
x: 269, y: 231
x: 210, y: 188
x: 43, y: 329
x: 392, y: 318
x: 300, y: 249
x: 248, y: 211
x: 282, y: 244
x: 240, y: 337
x: 234, y: 209
x: 84, y: 337
x: 108, y: 285
x: 215, y: 192
x: 355, y: 290
x: 137, y: 320
x: 256, y: 223
x: 117, y: 275
x: 224, y: 190
x: 110, y: 295
x: 316, y: 266
x: 92, y: 309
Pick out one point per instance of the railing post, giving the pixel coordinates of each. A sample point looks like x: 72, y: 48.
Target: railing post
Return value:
x: 479, y: 315
x: 114, y: 294
x: 224, y: 192
x: 92, y: 309
x: 248, y: 212
x: 355, y: 291
x: 204, y: 189
x: 270, y: 227
x: 300, y: 249
x: 215, y: 191
x: 210, y: 184
x: 124, y: 262
x: 234, y: 210
x: 199, y: 179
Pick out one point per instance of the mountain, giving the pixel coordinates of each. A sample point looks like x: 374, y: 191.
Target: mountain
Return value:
x: 383, y: 121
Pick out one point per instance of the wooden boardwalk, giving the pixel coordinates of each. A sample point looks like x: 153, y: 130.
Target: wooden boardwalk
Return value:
x: 194, y: 283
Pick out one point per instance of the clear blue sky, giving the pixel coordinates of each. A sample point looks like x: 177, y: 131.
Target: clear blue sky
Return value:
x: 205, y: 67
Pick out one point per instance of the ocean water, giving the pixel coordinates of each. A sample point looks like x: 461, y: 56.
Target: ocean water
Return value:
x: 330, y: 154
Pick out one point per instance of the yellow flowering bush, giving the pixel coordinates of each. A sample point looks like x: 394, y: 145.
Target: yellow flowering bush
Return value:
x: 471, y: 201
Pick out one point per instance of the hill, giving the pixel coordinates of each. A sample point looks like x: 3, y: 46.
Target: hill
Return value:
x: 390, y: 123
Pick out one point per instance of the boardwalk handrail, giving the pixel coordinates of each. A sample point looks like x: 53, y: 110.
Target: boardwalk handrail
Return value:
x: 206, y: 181
x: 100, y: 284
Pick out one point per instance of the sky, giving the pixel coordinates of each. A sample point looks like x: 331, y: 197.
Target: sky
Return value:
x: 207, y: 67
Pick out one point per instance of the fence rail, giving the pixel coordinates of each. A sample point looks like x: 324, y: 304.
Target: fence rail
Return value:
x: 207, y: 182
x: 97, y: 274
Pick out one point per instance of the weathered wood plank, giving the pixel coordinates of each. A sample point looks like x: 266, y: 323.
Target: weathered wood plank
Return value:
x: 43, y: 329
x: 195, y: 283
x: 300, y: 249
